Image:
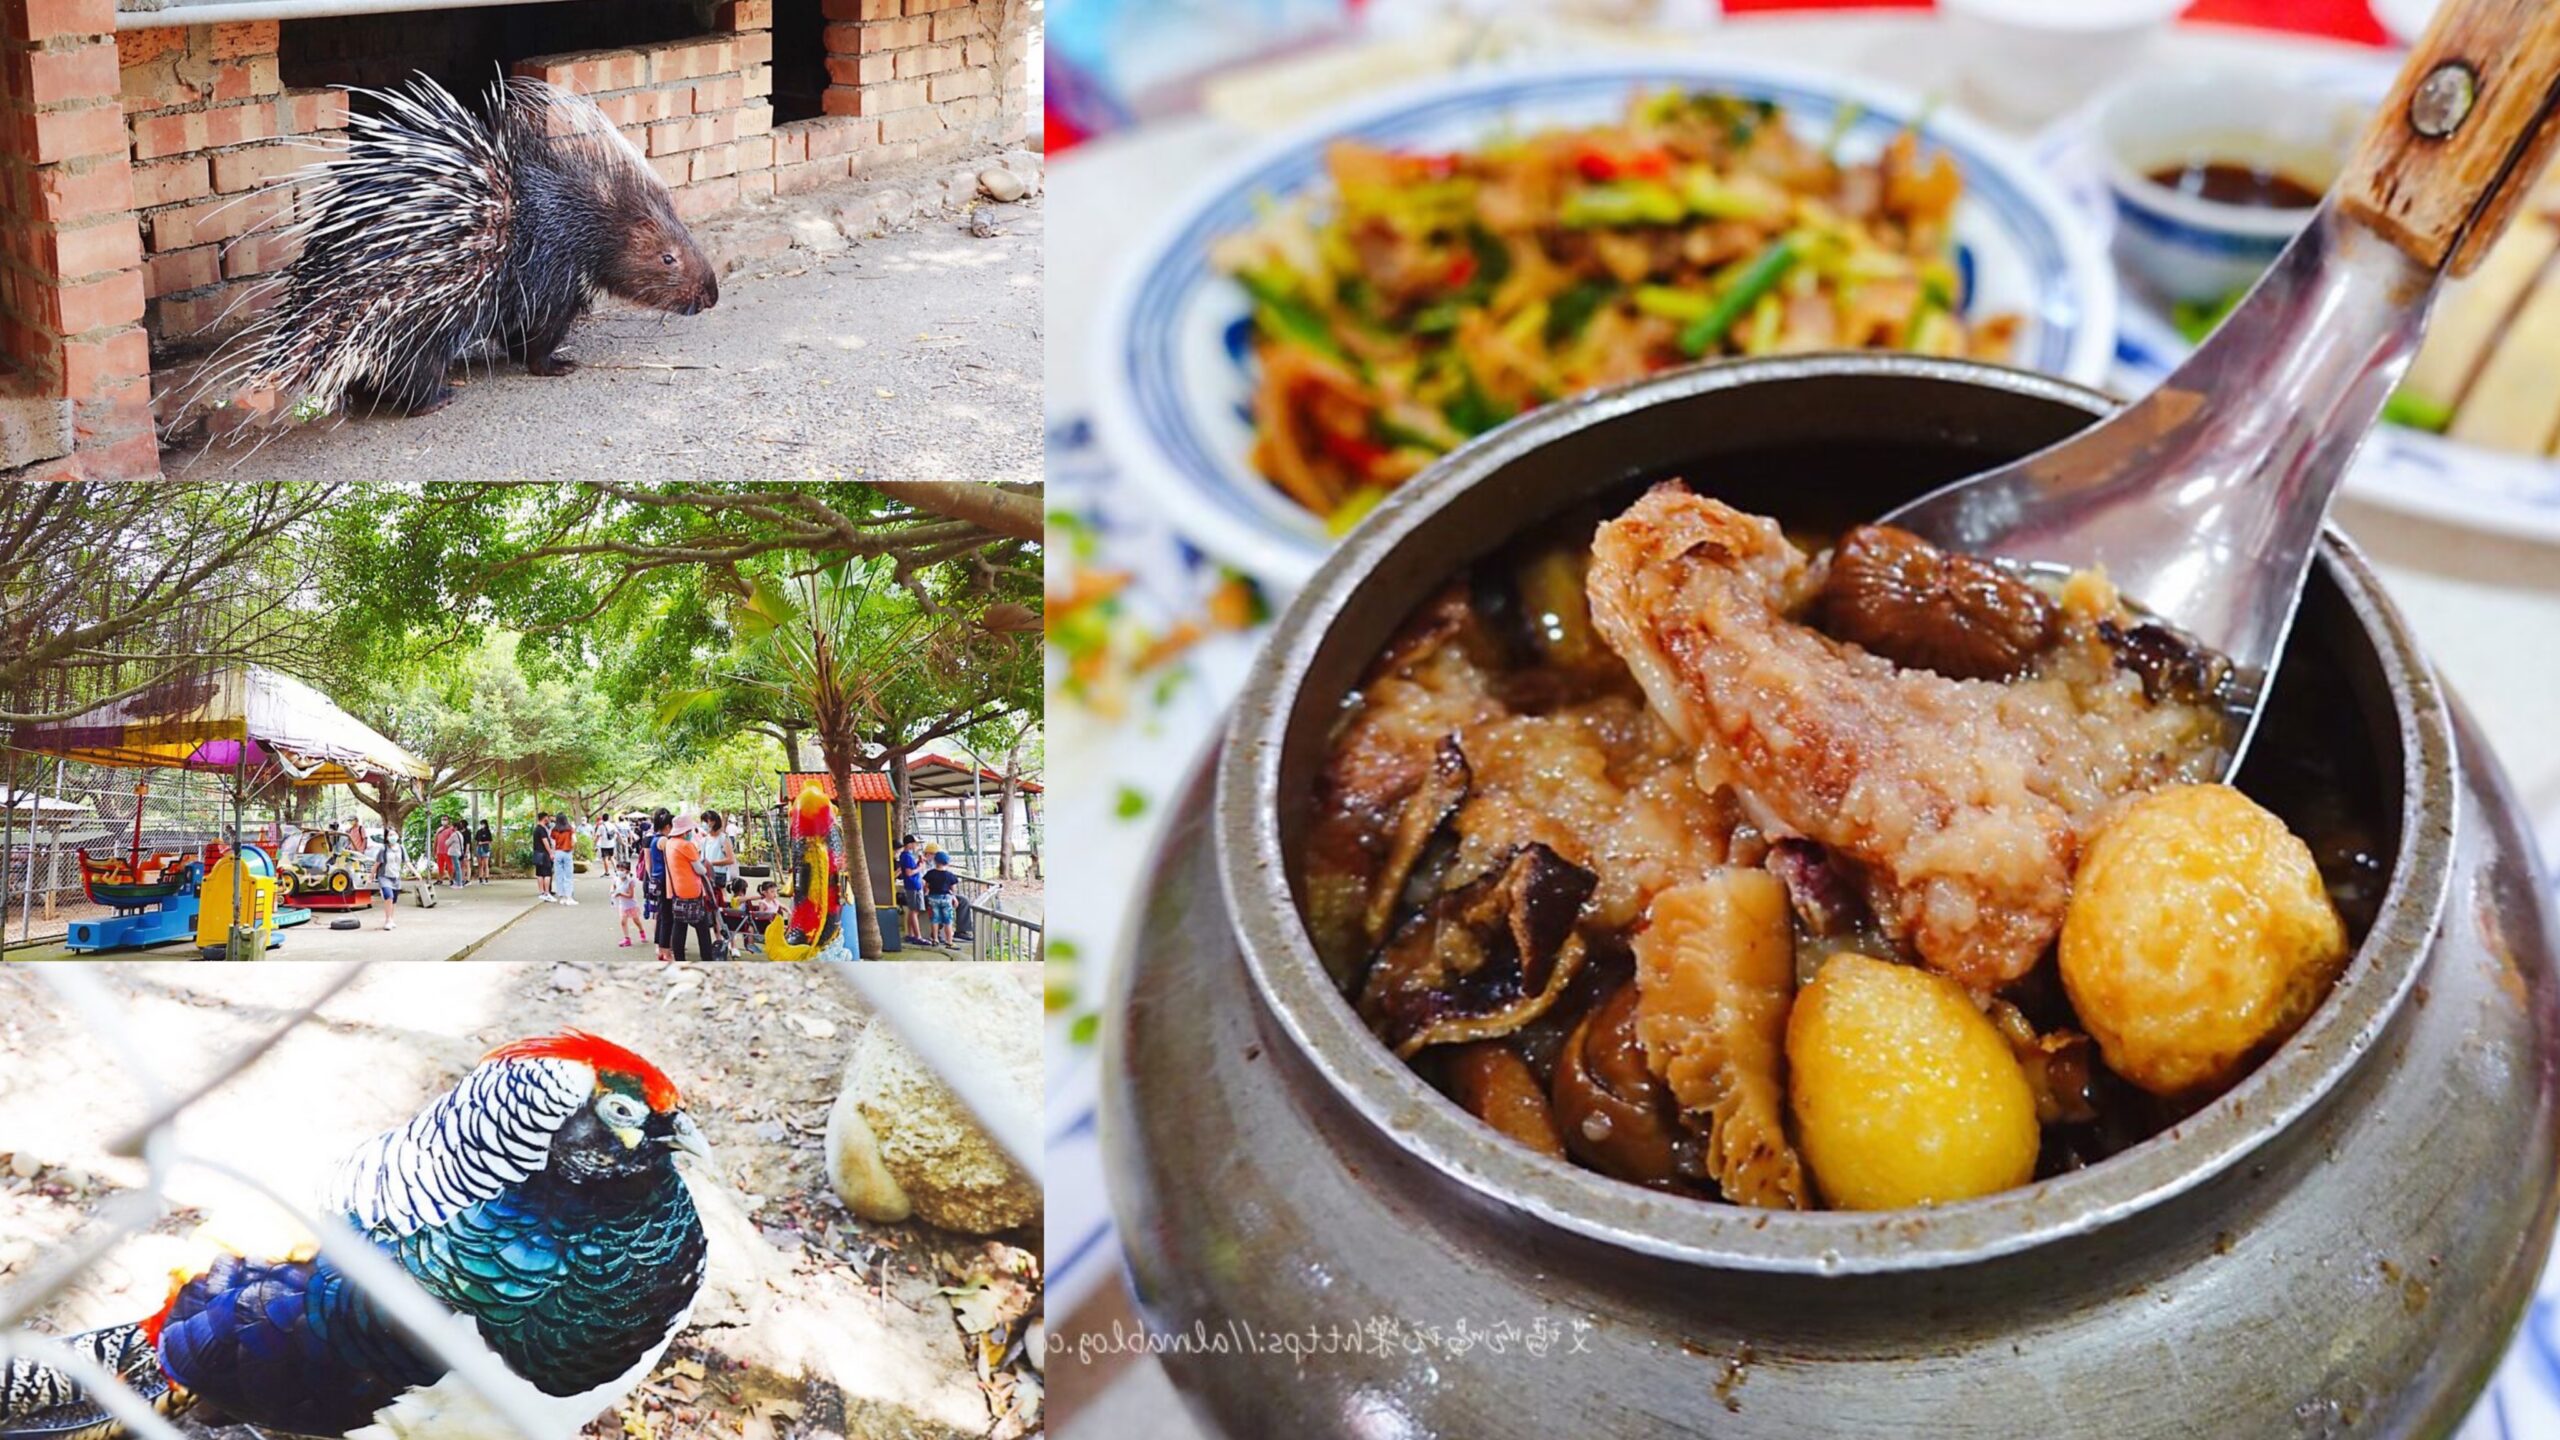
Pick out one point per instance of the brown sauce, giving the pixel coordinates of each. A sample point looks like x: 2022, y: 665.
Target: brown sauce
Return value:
x: 2228, y: 182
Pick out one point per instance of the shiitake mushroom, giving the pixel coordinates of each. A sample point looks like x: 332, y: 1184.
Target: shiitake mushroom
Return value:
x: 1496, y: 1085
x: 1613, y: 1114
x: 1895, y: 594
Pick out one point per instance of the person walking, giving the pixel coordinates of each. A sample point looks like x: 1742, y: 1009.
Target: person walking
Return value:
x: 688, y: 892
x: 653, y: 876
x: 939, y: 883
x: 564, y: 860
x: 390, y: 856
x: 608, y: 843
x: 626, y: 904
x: 911, y: 888
x: 482, y: 842
x: 719, y: 852
x: 456, y: 852
x: 542, y: 857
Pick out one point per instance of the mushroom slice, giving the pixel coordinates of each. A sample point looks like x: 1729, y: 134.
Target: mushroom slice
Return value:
x: 1614, y: 1115
x: 1425, y: 812
x: 1498, y: 1087
x: 1715, y: 974
x: 1484, y: 959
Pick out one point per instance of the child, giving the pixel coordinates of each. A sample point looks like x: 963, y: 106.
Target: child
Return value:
x: 626, y: 902
x: 939, y: 883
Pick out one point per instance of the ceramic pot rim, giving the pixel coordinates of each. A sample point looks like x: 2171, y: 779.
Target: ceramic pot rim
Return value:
x: 1293, y: 986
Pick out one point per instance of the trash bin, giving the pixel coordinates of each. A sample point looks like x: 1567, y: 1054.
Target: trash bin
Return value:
x: 960, y: 918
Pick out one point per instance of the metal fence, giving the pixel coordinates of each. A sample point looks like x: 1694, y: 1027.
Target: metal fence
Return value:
x: 974, y: 844
x: 526, y: 1412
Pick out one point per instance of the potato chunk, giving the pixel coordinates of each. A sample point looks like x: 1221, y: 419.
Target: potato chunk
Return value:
x: 2198, y: 937
x: 1904, y: 1093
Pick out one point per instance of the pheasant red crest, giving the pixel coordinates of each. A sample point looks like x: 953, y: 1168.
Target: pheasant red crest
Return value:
x: 602, y: 1054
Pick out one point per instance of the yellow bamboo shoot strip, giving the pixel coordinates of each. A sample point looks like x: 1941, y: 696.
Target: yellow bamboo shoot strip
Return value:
x: 2515, y: 402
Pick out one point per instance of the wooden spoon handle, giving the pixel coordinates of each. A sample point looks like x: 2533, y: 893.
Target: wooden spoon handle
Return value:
x: 2464, y: 133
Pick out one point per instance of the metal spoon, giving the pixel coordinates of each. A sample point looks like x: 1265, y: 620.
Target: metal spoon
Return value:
x: 2204, y: 499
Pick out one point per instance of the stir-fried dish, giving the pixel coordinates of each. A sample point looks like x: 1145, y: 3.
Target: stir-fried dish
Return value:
x: 1426, y: 298
x: 1875, y: 878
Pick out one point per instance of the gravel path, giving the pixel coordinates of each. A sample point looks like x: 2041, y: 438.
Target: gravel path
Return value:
x: 915, y: 356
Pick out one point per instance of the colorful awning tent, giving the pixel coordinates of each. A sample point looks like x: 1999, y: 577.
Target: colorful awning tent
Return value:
x: 244, y: 718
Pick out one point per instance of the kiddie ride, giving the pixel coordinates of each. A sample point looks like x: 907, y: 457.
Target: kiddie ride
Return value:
x: 172, y: 896
x: 323, y: 871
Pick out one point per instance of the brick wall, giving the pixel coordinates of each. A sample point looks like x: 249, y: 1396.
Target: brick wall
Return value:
x: 71, y: 284
x: 212, y: 128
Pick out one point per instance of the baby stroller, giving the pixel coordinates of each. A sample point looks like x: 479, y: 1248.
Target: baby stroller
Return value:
x: 739, y: 936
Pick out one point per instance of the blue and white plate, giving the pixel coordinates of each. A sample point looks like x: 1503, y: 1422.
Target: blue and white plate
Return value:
x: 2410, y: 471
x: 1172, y: 377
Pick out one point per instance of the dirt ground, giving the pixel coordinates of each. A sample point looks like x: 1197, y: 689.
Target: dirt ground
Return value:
x: 914, y: 356
x: 812, y: 1323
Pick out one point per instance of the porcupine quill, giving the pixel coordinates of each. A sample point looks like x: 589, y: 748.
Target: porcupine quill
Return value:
x: 436, y: 233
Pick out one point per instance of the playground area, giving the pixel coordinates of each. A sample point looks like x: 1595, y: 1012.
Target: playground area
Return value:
x: 377, y: 722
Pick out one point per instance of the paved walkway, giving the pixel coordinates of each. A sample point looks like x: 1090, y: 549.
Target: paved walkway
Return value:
x: 461, y: 921
x: 587, y: 931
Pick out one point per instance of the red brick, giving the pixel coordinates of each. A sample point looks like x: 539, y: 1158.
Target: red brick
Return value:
x: 791, y: 144
x: 158, y: 135
x: 642, y: 107
x: 96, y: 304
x: 673, y: 136
x: 72, y: 134
x: 145, y: 88
x: 579, y: 72
x: 259, y: 254
x: 55, y: 77
x: 112, y: 244
x: 249, y: 79
x: 188, y: 269
x: 692, y: 60
x: 134, y: 47
x: 627, y: 70
x: 136, y: 457
x: 755, y: 52
x: 755, y: 185
x: 958, y: 85
x: 755, y: 153
x: 111, y: 412
x: 714, y: 163
x: 754, y: 120
x: 302, y: 112
x: 928, y: 60
x: 894, y: 35
x: 217, y: 219
x: 64, y: 194
x: 878, y: 99
x: 674, y: 169
x: 861, y: 69
x: 167, y: 182
x: 745, y: 14
x: 909, y: 125
x: 249, y: 168
x: 53, y: 19
x: 710, y: 197
x: 832, y: 137
x: 720, y: 92
x: 238, y: 125
x: 212, y: 313
x: 955, y: 24
x: 249, y: 37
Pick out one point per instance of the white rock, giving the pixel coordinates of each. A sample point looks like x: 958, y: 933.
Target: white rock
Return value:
x: 899, y: 1142
x: 1001, y: 185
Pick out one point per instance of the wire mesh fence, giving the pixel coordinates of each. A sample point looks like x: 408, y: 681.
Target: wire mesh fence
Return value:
x: 515, y: 1408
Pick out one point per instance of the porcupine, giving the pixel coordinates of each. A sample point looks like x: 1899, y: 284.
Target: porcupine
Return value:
x: 438, y: 233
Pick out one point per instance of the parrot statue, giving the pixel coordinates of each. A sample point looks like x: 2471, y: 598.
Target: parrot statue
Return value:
x: 538, y: 1199
x: 815, y: 921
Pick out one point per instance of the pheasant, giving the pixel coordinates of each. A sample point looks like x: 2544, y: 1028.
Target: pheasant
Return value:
x: 538, y: 1197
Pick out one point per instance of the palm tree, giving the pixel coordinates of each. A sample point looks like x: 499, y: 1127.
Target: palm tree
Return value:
x: 826, y: 643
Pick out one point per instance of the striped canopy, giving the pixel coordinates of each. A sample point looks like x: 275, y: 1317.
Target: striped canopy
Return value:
x: 247, y: 716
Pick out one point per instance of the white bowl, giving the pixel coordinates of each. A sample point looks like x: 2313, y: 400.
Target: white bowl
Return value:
x: 2031, y: 60
x: 2185, y: 247
x: 1172, y: 355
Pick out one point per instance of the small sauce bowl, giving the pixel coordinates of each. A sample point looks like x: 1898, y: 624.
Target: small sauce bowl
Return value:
x: 2181, y: 246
